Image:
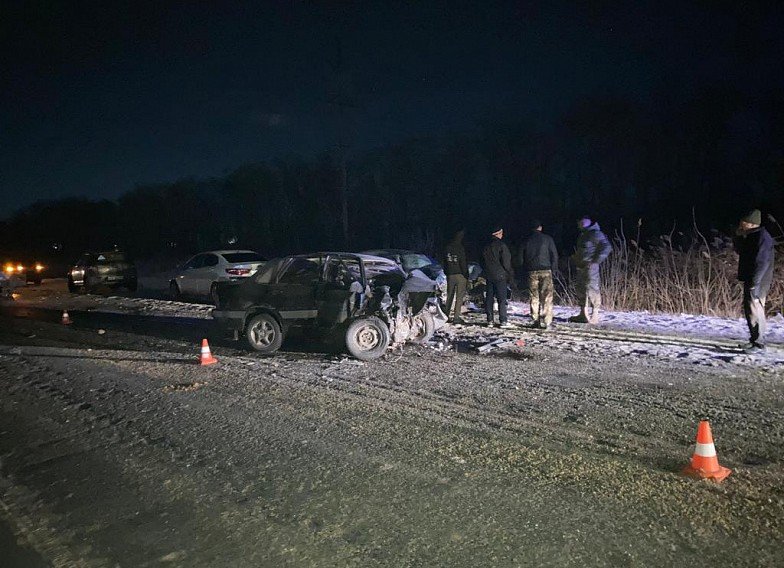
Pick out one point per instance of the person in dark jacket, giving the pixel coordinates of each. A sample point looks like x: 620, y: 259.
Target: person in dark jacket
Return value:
x: 456, y: 270
x: 539, y: 258
x: 497, y: 266
x: 591, y: 250
x: 755, y: 269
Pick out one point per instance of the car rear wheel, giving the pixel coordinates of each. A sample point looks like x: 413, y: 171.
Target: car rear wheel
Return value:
x: 424, y: 326
x: 367, y: 338
x: 263, y: 334
x: 174, y: 291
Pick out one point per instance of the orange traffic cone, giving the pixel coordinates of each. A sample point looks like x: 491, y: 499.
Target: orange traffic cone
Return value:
x: 206, y: 356
x: 66, y: 319
x: 705, y: 463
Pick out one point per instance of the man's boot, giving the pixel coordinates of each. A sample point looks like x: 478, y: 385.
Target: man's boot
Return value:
x: 580, y: 318
x: 594, y: 319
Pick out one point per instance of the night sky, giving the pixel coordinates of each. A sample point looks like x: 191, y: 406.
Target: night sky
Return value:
x: 98, y: 97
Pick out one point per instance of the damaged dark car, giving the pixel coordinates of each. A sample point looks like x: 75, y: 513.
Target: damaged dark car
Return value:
x: 364, y: 301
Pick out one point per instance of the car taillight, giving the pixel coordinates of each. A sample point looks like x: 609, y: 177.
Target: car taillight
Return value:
x: 238, y: 271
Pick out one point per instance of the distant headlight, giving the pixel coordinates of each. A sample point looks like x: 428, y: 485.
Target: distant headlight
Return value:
x: 39, y: 267
x: 9, y: 268
x: 19, y: 268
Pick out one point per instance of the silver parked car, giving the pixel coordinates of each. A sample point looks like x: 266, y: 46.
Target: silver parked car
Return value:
x: 199, y: 276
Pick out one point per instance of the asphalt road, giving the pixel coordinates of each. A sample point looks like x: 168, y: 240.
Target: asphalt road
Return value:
x: 118, y: 449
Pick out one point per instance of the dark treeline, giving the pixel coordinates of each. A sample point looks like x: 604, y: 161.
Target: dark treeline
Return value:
x: 711, y: 156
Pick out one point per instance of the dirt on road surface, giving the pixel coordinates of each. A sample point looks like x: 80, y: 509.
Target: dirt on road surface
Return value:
x: 118, y: 449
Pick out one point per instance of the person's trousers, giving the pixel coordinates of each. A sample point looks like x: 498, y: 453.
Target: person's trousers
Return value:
x: 540, y: 285
x: 496, y: 290
x: 588, y: 287
x: 456, y: 285
x: 754, y: 310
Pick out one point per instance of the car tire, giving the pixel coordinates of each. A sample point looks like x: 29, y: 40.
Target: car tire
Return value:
x: 174, y: 291
x: 214, y: 294
x: 424, y: 327
x: 367, y: 338
x: 263, y: 334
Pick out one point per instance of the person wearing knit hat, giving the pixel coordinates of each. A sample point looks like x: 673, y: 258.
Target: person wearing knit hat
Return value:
x: 497, y: 267
x: 754, y: 246
x: 539, y: 258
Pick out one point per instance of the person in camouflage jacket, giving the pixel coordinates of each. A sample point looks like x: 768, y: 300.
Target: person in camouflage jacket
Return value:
x: 591, y: 250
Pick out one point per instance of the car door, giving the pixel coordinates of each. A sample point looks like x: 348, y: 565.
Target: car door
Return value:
x: 188, y: 277
x: 294, y: 294
x: 79, y: 270
x: 205, y: 275
x: 335, y: 294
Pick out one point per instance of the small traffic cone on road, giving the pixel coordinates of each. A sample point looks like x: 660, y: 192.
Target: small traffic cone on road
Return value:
x: 66, y: 319
x: 705, y: 463
x: 206, y: 356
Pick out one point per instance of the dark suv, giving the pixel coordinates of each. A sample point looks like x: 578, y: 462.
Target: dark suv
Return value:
x: 367, y: 301
x: 102, y: 269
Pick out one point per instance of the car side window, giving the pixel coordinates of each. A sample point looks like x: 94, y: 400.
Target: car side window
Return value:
x: 210, y: 260
x: 195, y: 262
x: 265, y: 275
x: 301, y: 271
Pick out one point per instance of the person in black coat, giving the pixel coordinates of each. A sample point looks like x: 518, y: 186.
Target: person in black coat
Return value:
x: 539, y: 258
x: 755, y: 269
x: 497, y: 266
x: 456, y: 270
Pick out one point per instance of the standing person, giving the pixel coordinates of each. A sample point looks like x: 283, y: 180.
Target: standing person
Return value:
x: 497, y: 265
x: 539, y: 257
x: 456, y: 269
x: 755, y: 269
x: 591, y: 250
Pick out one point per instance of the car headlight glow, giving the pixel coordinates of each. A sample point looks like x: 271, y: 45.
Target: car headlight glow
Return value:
x: 19, y: 268
x: 39, y: 267
x: 9, y: 268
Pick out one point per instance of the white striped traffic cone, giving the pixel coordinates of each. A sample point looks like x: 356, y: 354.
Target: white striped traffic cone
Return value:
x: 206, y: 356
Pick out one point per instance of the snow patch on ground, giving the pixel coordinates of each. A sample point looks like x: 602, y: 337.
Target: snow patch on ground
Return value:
x: 682, y: 325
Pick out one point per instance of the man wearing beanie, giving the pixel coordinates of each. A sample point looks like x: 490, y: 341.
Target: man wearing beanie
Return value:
x: 497, y: 265
x: 754, y: 246
x: 539, y: 257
